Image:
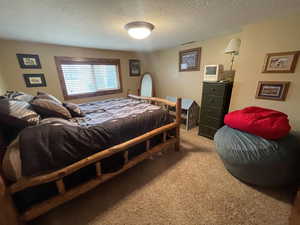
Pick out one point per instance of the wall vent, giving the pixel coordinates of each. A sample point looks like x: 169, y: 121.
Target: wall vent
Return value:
x: 187, y: 43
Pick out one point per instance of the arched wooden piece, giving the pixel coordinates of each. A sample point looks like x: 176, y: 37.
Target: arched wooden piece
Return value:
x: 145, y: 78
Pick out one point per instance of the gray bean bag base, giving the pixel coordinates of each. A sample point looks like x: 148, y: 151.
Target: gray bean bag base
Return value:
x: 258, y: 161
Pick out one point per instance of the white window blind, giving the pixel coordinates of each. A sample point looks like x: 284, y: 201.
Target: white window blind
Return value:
x: 87, y: 78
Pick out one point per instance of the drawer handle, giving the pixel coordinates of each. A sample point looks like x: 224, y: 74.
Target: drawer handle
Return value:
x: 213, y: 89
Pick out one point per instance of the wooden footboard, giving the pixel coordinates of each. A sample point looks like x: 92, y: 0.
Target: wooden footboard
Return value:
x: 10, y: 216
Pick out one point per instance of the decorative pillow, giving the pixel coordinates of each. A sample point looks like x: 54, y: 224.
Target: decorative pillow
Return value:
x: 49, y: 108
x: 73, y: 109
x: 17, y: 113
x: 266, y: 123
x: 43, y: 95
x: 15, y: 95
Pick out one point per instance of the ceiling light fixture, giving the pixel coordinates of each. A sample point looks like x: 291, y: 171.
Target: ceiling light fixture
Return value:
x: 139, y: 29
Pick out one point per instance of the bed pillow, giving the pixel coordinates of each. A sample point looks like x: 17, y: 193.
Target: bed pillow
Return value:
x: 73, y: 109
x: 48, y: 108
x: 17, y: 113
x: 43, y: 95
x: 16, y: 95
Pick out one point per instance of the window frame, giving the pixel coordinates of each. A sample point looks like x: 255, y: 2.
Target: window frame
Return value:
x: 59, y: 60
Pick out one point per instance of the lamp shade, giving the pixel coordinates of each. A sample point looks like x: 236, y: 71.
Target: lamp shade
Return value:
x: 233, y: 46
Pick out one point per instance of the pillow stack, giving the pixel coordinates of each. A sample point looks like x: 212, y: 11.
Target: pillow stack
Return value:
x: 18, y: 109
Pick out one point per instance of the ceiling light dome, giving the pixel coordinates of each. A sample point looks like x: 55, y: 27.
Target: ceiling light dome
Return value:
x: 139, y: 29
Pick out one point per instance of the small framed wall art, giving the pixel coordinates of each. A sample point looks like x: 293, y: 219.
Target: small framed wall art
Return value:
x: 35, y: 80
x: 134, y: 67
x: 189, y: 60
x: 29, y: 61
x: 281, y: 62
x: 272, y: 90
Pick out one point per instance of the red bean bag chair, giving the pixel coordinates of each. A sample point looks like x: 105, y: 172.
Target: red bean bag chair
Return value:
x: 266, y: 123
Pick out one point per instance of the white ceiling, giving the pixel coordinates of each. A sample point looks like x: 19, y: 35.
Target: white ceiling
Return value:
x: 100, y: 23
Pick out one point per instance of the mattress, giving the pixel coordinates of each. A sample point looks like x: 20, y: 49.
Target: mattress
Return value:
x: 56, y: 143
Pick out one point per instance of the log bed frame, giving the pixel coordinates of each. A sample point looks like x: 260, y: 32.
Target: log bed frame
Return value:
x: 9, y: 215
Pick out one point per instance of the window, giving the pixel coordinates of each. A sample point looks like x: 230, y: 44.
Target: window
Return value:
x: 84, y: 77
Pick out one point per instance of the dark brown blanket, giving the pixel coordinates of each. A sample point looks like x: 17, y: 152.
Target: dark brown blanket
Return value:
x: 49, y: 147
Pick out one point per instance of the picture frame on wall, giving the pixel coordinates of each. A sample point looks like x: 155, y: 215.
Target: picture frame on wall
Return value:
x: 35, y: 80
x: 272, y: 90
x: 281, y: 62
x: 29, y: 61
x: 134, y: 67
x: 189, y: 60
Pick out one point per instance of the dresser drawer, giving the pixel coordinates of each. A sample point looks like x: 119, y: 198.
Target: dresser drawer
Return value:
x: 215, y: 103
x: 212, y: 101
x: 211, y: 121
x: 214, y: 89
x: 213, y: 112
x: 207, y: 131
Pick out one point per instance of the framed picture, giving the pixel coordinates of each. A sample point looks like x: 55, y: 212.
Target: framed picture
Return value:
x: 282, y: 62
x: 28, y: 61
x: 273, y: 90
x: 189, y: 60
x: 35, y: 80
x: 134, y: 67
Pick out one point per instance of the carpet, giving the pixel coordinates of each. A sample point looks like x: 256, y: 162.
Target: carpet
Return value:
x: 177, y: 188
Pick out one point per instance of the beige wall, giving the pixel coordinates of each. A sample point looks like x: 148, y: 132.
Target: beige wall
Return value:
x: 12, y: 72
x: 276, y: 35
x: 165, y: 69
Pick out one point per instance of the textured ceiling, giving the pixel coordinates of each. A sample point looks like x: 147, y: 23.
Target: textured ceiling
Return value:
x: 100, y: 23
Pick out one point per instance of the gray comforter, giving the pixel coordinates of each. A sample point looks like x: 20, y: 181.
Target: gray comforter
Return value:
x: 54, y: 145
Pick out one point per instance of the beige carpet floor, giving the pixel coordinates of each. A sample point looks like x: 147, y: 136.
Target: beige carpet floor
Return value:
x: 187, y: 187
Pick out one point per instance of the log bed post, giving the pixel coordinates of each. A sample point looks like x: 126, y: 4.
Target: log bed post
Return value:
x: 178, y: 122
x: 8, y: 212
x: 98, y: 169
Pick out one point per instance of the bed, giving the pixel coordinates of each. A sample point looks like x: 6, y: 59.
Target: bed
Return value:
x: 113, y: 136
